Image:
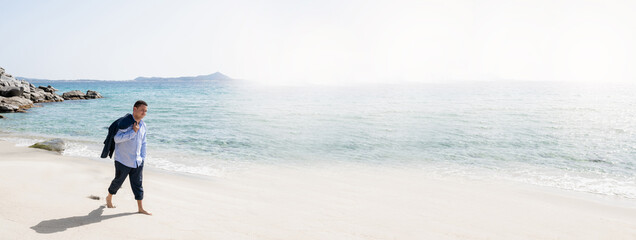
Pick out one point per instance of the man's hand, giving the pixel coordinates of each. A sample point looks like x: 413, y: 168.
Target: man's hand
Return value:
x: 135, y: 126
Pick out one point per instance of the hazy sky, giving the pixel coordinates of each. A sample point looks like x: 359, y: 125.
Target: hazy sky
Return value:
x: 321, y: 41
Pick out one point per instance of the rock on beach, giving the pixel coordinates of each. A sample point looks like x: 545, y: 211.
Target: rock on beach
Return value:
x: 55, y: 145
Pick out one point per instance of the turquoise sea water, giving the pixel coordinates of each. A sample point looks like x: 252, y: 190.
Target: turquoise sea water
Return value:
x: 567, y: 135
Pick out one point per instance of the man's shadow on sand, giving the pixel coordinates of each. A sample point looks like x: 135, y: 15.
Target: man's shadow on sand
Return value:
x: 59, y: 225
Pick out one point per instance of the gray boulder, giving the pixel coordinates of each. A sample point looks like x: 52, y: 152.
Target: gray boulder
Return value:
x: 48, y: 89
x: 18, y: 101
x: 9, y: 91
x: 57, y: 98
x: 92, y: 94
x: 39, y: 95
x: 7, y: 80
x: 56, y: 145
x: 74, y: 95
x: 14, y: 104
x: 4, y: 107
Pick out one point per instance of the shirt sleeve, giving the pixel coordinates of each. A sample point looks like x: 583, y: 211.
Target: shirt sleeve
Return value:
x: 123, y: 135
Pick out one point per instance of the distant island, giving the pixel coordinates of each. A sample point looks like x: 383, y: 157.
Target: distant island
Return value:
x: 213, y: 76
x: 217, y: 76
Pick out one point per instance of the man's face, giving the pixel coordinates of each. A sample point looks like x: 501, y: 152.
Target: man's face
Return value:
x: 140, y: 112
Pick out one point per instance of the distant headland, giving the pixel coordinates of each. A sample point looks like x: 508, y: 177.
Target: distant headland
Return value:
x: 213, y: 76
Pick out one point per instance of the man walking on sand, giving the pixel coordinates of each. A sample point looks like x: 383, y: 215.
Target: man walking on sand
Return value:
x: 130, y: 153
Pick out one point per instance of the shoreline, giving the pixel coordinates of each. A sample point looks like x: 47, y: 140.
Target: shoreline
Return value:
x: 45, y: 196
x: 85, y: 148
x: 90, y: 148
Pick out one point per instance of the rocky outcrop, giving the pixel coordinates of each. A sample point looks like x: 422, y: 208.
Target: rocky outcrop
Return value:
x: 56, y: 145
x: 92, y: 95
x: 76, y: 95
x: 39, y: 96
x: 19, y: 95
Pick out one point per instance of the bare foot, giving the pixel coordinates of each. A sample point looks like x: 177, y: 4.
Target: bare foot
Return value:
x: 109, y: 201
x: 144, y: 212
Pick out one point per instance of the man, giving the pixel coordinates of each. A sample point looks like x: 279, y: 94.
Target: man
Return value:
x: 130, y: 153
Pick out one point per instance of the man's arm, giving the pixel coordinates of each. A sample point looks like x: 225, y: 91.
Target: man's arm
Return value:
x: 143, y: 148
x: 123, y: 135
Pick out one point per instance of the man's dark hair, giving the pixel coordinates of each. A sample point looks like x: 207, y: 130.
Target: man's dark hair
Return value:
x: 139, y: 103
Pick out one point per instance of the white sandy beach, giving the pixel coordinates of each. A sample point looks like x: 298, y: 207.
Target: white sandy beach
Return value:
x: 44, y: 195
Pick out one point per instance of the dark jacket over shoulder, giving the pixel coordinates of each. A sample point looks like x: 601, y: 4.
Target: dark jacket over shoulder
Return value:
x: 121, y: 123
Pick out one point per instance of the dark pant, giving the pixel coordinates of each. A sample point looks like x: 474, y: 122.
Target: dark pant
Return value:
x: 121, y: 172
